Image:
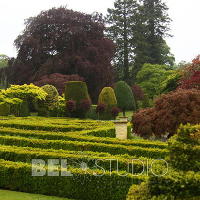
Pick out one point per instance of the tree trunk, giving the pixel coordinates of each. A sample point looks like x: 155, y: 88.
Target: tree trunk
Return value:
x: 124, y: 113
x: 125, y: 37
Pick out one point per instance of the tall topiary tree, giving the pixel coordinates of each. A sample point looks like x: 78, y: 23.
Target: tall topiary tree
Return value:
x: 77, y: 91
x: 124, y: 95
x: 108, y: 99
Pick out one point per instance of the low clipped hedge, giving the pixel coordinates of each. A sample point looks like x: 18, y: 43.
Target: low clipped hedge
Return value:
x: 82, y: 136
x: 82, y: 185
x: 48, y: 127
x: 84, y: 146
x: 74, y: 158
x: 53, y: 124
x: 78, y: 141
x: 138, y: 192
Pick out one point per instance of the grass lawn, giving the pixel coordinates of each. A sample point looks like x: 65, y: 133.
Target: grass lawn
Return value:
x: 11, y: 195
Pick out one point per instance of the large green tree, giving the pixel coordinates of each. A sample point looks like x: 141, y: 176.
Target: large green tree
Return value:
x: 151, y: 29
x: 121, y: 21
x: 157, y: 21
x: 139, y: 29
x: 63, y: 41
x: 3, y: 60
x: 151, y: 78
x: 3, y: 76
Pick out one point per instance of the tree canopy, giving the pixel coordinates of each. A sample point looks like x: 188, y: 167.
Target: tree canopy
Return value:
x: 67, y: 42
x: 150, y: 78
x: 3, y: 60
x: 139, y: 29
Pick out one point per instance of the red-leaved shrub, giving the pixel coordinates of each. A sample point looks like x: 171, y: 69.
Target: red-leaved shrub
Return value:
x: 191, y: 75
x: 100, y: 108
x: 143, y: 122
x: 115, y: 111
x: 138, y: 92
x: 85, y: 105
x: 71, y: 106
x: 171, y: 110
x: 57, y: 80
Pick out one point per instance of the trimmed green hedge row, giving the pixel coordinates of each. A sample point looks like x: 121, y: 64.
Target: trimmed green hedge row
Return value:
x: 109, y: 133
x: 42, y: 127
x: 81, y: 136
x: 54, y: 124
x: 93, y: 160
x: 82, y: 185
x: 99, y: 128
x: 53, y: 120
x: 84, y: 146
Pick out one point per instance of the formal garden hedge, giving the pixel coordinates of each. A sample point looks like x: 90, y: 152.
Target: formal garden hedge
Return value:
x: 78, y: 141
x: 17, y: 176
x: 93, y: 143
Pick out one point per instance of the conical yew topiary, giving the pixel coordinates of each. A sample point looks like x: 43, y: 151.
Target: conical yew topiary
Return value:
x: 125, y: 97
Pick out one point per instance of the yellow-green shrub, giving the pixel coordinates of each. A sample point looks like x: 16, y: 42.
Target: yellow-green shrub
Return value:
x: 107, y: 97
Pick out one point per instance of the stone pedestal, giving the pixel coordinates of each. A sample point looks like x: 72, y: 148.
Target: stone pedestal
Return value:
x: 121, y: 129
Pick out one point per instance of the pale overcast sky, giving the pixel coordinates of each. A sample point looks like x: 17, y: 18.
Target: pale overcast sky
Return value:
x: 185, y: 26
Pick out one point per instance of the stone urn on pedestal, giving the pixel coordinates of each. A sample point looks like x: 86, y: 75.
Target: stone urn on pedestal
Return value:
x: 121, y: 128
